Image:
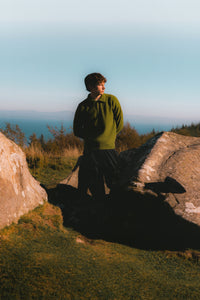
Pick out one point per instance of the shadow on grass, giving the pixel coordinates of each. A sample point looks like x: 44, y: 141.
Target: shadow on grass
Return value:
x: 142, y: 221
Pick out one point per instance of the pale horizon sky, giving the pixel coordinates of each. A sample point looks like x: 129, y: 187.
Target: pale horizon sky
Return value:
x: 147, y: 49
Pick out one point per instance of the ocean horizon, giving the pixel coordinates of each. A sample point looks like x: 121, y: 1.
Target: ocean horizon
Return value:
x: 39, y: 126
x: 37, y: 122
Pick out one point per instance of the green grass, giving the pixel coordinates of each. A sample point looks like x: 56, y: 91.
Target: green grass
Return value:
x: 55, y: 171
x: 41, y: 259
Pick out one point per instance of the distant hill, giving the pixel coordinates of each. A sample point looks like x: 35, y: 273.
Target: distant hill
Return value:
x: 36, y: 115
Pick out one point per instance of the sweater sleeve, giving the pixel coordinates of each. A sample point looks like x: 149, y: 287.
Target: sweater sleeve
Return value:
x: 78, y: 123
x: 118, y: 115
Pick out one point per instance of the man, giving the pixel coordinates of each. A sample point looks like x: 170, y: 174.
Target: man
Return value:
x: 98, y: 119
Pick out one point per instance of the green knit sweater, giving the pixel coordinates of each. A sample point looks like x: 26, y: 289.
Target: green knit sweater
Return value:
x: 98, y: 122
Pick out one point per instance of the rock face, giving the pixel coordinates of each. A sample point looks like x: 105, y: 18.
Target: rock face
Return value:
x: 19, y: 191
x: 168, y: 166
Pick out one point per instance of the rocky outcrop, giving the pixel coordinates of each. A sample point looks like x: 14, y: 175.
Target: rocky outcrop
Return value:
x: 19, y: 191
x: 167, y: 166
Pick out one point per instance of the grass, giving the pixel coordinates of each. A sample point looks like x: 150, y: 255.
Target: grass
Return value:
x: 55, y: 170
x: 42, y: 259
x: 49, y: 169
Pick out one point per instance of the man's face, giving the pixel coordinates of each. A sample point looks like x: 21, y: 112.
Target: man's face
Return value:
x: 99, y: 89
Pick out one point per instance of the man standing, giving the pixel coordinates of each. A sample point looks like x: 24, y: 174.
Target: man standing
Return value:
x: 98, y: 120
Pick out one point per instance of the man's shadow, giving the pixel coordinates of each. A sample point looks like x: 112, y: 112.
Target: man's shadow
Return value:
x: 142, y: 220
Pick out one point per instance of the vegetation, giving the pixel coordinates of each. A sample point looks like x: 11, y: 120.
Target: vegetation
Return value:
x: 52, y: 160
x: 14, y: 133
x: 189, y: 130
x: 42, y: 259
x: 129, y: 138
x: 49, y: 161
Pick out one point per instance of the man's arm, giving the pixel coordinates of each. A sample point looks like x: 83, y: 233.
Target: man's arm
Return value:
x: 78, y: 126
x: 118, y: 115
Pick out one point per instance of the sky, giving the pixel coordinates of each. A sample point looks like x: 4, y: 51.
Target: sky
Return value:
x: 147, y: 49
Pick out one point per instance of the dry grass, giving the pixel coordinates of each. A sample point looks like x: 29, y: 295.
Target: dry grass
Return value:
x: 72, y: 152
x: 49, y: 168
x: 34, y: 151
x: 38, y: 159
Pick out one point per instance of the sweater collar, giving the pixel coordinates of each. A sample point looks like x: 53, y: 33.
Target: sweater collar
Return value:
x: 101, y: 99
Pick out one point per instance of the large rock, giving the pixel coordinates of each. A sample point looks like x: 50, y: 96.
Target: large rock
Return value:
x: 168, y: 165
x: 19, y: 191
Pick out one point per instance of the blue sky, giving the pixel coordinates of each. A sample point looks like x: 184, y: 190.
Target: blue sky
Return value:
x: 147, y: 49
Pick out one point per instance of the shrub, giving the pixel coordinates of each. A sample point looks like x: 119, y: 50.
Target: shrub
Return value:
x: 14, y: 133
x: 188, y: 130
x: 62, y: 141
x: 128, y: 138
x: 36, y: 157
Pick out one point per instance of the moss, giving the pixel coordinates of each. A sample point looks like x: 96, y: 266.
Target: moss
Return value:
x: 40, y: 259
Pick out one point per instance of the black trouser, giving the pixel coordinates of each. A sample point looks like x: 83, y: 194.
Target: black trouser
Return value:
x: 97, y: 167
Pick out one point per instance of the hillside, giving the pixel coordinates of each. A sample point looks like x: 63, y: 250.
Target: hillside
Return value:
x: 42, y: 259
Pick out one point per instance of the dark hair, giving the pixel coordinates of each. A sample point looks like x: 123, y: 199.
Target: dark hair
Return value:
x: 93, y: 80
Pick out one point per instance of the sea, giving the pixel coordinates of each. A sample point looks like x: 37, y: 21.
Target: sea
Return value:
x: 40, y: 126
